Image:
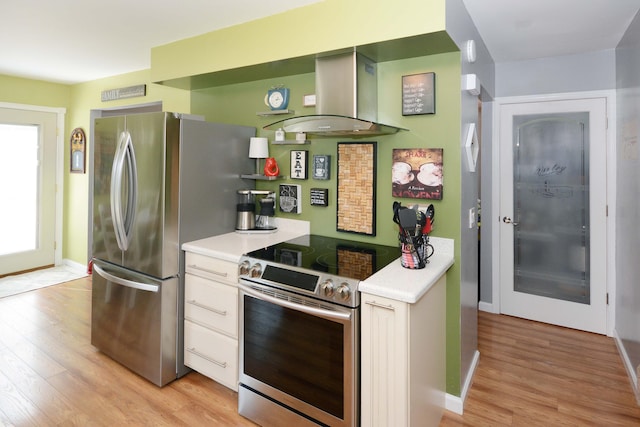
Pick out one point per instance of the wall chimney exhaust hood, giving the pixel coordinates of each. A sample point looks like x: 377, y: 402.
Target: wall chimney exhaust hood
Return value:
x: 346, y: 100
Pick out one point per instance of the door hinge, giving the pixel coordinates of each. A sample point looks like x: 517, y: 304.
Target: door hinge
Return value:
x: 607, y: 298
x: 606, y: 211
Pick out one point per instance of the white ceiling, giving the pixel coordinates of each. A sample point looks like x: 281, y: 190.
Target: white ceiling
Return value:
x: 516, y: 30
x: 71, y: 41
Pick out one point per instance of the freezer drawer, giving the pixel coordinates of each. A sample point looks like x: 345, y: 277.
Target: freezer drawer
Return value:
x: 134, y: 321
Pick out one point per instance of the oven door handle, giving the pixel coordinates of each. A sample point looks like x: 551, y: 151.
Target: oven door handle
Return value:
x: 326, y: 314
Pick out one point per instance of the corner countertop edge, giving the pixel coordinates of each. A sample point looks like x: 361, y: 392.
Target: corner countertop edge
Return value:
x: 231, y: 246
x: 407, y: 285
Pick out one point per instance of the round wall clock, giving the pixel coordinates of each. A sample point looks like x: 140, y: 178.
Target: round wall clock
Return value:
x: 277, y: 98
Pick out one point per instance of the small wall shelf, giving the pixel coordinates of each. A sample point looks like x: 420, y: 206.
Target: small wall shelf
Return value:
x: 262, y: 177
x: 291, y: 142
x: 274, y: 113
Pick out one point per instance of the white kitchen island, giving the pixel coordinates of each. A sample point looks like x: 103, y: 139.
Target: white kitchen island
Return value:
x: 403, y: 342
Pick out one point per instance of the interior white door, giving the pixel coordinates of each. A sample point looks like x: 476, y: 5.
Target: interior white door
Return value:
x: 553, y: 212
x: 28, y: 142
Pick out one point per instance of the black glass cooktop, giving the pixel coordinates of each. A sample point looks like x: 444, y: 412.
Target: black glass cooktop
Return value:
x: 345, y: 258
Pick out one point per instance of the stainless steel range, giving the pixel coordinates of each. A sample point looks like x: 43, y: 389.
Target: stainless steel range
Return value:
x: 299, y: 332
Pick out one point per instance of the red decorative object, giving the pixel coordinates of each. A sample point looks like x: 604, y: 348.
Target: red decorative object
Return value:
x: 271, y: 167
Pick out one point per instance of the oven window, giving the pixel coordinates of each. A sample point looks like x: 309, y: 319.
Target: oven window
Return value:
x: 299, y: 354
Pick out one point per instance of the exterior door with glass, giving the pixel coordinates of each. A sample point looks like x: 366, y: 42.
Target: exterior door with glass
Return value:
x: 553, y: 212
x: 28, y: 141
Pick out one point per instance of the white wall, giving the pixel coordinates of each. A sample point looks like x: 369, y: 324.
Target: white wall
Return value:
x: 627, y: 325
x: 572, y: 73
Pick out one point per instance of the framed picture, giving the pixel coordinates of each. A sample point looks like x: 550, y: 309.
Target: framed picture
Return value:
x: 419, y: 94
x: 299, y: 164
x: 356, y: 207
x: 78, y: 144
x: 416, y: 173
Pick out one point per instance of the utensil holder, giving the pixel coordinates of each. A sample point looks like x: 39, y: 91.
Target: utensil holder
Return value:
x: 415, y: 253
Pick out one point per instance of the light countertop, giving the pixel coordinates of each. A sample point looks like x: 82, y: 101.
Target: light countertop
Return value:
x: 393, y: 281
x: 231, y: 246
x: 405, y: 284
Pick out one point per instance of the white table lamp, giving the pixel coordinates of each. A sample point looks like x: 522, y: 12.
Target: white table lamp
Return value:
x: 258, y: 149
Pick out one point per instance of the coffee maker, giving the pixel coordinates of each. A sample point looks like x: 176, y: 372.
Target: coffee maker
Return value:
x: 246, y: 221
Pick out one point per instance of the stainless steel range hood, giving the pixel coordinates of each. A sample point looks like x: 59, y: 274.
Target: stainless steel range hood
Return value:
x: 346, y: 100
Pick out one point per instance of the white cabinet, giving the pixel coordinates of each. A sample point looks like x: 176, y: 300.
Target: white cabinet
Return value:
x: 403, y: 364
x: 211, y: 318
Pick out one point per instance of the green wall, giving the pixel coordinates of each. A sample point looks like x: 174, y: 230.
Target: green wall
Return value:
x: 239, y: 104
x: 320, y: 27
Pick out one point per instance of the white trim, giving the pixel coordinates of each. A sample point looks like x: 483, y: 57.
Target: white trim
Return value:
x: 487, y: 307
x: 610, y: 97
x: 60, y: 112
x: 455, y: 404
x: 75, y: 266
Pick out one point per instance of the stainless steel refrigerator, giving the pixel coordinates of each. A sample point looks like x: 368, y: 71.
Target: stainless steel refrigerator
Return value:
x: 159, y: 180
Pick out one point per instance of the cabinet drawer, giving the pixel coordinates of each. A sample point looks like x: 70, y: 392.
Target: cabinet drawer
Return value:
x: 211, y: 354
x: 211, y: 268
x: 211, y: 304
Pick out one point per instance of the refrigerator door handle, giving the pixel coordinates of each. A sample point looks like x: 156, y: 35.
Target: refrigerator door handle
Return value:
x: 123, y: 221
x: 124, y: 282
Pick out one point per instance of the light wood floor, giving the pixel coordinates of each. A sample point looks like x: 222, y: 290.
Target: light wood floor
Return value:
x: 533, y: 374
x: 529, y: 374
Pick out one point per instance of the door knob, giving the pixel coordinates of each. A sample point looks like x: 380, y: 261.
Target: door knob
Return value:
x: 507, y: 220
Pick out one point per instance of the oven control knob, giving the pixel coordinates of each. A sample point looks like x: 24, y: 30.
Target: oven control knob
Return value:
x: 344, y: 293
x: 243, y: 268
x: 256, y: 270
x: 327, y: 288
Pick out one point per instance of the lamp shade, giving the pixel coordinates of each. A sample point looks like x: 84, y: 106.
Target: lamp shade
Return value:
x: 258, y: 148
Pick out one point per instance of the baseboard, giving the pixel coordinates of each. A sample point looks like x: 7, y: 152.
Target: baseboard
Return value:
x: 633, y: 375
x: 486, y: 306
x: 455, y: 404
x: 76, y: 266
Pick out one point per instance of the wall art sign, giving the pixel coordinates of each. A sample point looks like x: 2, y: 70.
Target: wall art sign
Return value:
x: 290, y: 198
x: 123, y: 93
x: 78, y: 150
x: 356, y: 208
x: 416, y: 173
x: 418, y: 94
x: 320, y: 197
x: 321, y: 166
x: 299, y: 164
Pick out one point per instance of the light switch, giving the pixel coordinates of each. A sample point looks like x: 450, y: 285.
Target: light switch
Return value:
x: 472, y: 217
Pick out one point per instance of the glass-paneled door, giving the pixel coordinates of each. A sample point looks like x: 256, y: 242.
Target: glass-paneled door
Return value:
x: 28, y: 142
x: 553, y: 213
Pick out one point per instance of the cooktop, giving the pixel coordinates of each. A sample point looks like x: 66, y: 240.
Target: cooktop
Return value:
x: 345, y: 258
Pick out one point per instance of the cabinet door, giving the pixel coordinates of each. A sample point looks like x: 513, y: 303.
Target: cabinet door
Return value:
x: 384, y: 369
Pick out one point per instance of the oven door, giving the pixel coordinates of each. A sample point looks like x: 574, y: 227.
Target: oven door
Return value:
x: 298, y: 359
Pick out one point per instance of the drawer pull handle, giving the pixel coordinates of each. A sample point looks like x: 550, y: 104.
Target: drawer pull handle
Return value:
x: 376, y: 304
x: 217, y: 273
x: 197, y: 353
x: 206, y: 307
